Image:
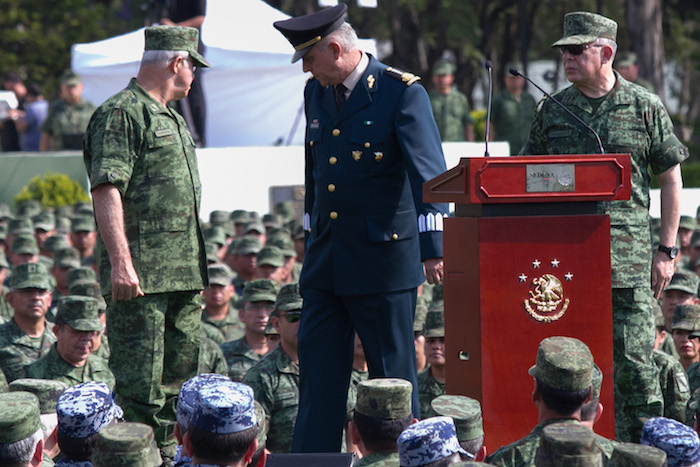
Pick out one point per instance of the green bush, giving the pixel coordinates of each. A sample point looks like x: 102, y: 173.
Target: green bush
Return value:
x: 52, y: 190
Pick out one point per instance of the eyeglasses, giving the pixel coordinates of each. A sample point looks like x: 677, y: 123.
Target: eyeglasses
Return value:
x: 576, y: 49
x: 291, y: 318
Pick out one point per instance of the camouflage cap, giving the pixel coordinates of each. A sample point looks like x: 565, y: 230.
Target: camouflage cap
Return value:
x: 85, y: 409
x: 637, y: 455
x: 80, y: 313
x: 63, y: 225
x: 289, y: 298
x: 44, y: 221
x: 126, y: 444
x: 466, y: 413
x: 260, y: 290
x: 24, y: 244
x: 220, y: 274
x: 89, y: 289
x: 262, y: 423
x: 3, y: 232
x: 20, y: 225
x: 30, y: 276
x: 46, y: 390
x: 55, y: 242
x: 3, y: 259
x: 419, y: 318
x: 686, y: 318
x: 596, y: 382
x: 272, y: 220
x: 568, y: 444
x: 66, y: 257
x: 688, y: 223
x: 386, y: 398
x: 428, y: 441
x: 563, y: 363
x: 434, y: 323
x: 254, y: 226
x: 625, y: 59
x: 64, y: 211
x: 679, y: 441
x: 659, y: 320
x: 175, y: 38
x: 284, y: 242
x: 443, y: 67
x: 212, y: 252
x: 215, y: 234
x: 68, y: 78
x: 80, y: 275
x: 695, y: 238
x: 285, y: 209
x: 685, y: 281
x: 582, y: 27
x: 270, y: 256
x: 225, y: 408
x: 5, y: 212
x: 219, y: 217
x: 19, y: 416
x: 82, y: 208
x: 239, y: 216
x: 28, y: 208
x: 83, y: 224
x: 246, y: 245
x: 188, y: 394
x: 298, y: 232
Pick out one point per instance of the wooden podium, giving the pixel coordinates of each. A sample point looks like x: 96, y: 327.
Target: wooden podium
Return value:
x: 527, y: 256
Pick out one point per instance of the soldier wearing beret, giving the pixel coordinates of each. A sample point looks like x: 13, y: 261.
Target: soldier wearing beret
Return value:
x: 450, y: 105
x: 620, y: 112
x: 371, y: 143
x: 563, y: 378
x: 21, y: 437
x: 141, y: 161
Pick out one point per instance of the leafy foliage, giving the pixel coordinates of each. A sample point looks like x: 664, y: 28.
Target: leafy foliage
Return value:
x: 52, y: 191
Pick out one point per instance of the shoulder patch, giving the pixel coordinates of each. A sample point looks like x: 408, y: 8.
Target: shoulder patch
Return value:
x: 403, y: 76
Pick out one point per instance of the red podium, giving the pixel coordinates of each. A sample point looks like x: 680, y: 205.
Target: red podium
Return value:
x: 527, y: 256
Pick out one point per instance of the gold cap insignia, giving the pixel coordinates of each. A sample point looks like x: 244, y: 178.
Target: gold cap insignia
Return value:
x: 370, y: 81
x: 378, y: 156
x: 357, y: 155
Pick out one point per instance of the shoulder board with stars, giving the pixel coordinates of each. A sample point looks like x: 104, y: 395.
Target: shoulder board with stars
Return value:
x: 403, y: 76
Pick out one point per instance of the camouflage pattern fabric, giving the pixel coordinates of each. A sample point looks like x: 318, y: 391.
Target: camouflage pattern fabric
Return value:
x: 18, y: 350
x: 6, y: 311
x: 379, y: 459
x: 275, y: 381
x: 522, y: 452
x: 3, y: 383
x: 451, y: 112
x: 674, y: 386
x: 211, y: 359
x: 67, y: 121
x: 693, y: 374
x: 355, y: 378
x: 669, y: 347
x: 512, y: 118
x: 52, y: 366
x: 103, y: 351
x: 239, y: 357
x: 223, y: 330
x: 428, y: 389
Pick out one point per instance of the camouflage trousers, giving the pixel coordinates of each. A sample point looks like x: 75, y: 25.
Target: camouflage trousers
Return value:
x: 154, y: 343
x: 637, y: 390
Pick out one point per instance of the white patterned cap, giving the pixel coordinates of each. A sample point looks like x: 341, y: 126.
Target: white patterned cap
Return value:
x: 188, y: 395
x: 428, y: 441
x: 85, y: 409
x: 225, y: 408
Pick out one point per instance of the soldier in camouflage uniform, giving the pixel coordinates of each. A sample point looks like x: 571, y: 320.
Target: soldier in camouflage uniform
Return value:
x: 684, y: 326
x: 83, y: 237
x: 258, y: 300
x: 466, y: 413
x: 450, y: 105
x: 220, y: 320
x: 631, y: 454
x: 382, y: 412
x: 92, y: 289
x: 240, y: 257
x: 275, y: 379
x: 512, y: 110
x: 432, y: 441
x: 27, y: 336
x: 627, y: 65
x: 68, y: 117
x: 141, y: 161
x: 431, y: 381
x: 20, y: 424
x: 682, y: 290
x: 127, y: 443
x: 563, y: 374
x: 211, y: 358
x: 564, y: 443
x: 629, y: 120
x: 5, y: 308
x: 70, y: 360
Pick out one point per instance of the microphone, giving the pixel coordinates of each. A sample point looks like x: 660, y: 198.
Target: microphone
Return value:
x: 489, y: 67
x: 515, y: 72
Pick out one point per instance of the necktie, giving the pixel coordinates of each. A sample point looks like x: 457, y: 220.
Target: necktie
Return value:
x: 340, y: 98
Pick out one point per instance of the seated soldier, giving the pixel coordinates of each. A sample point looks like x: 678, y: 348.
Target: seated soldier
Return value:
x: 125, y: 444
x: 686, y: 319
x: 563, y: 376
x: 220, y: 321
x: 680, y: 443
x: 70, y: 359
x: 382, y: 412
x: 83, y: 410
x: 466, y: 413
x: 223, y: 427
x: 21, y: 437
x: 258, y: 301
x: 566, y: 444
x: 431, y: 381
x: 432, y: 442
x: 27, y: 336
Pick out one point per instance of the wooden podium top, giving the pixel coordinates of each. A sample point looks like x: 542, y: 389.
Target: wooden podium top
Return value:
x: 533, y: 179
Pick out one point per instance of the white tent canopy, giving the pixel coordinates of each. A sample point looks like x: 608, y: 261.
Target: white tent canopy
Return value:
x: 254, y: 94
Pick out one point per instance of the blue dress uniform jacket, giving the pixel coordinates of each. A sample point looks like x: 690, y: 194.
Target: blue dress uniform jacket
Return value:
x: 365, y: 166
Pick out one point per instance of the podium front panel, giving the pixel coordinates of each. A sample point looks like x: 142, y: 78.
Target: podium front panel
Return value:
x: 511, y: 282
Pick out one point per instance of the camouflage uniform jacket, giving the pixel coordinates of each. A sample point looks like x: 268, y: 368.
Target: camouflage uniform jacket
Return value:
x: 356, y: 377
x: 211, y: 359
x: 674, y: 386
x: 6, y: 310
x: 379, y: 459
x: 223, y: 330
x: 668, y: 347
x: 53, y: 366
x: 3, y: 383
x: 522, y: 452
x: 628, y: 120
x: 146, y: 151
x: 103, y: 351
x: 693, y: 374
x: 239, y: 357
x: 451, y: 112
x: 67, y: 121
x: 275, y: 380
x: 18, y: 350
x: 428, y: 389
x: 512, y: 117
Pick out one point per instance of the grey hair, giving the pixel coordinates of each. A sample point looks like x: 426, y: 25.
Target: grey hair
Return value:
x: 607, y: 42
x: 161, y: 58
x: 20, y: 452
x: 345, y: 35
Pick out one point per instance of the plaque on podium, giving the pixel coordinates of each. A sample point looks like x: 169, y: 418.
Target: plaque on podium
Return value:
x: 527, y: 256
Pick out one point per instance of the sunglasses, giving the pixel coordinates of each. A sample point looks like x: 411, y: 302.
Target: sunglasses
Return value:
x: 292, y: 318
x: 576, y: 49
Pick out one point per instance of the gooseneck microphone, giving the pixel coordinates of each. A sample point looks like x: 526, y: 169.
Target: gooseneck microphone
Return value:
x: 489, y: 67
x: 515, y: 72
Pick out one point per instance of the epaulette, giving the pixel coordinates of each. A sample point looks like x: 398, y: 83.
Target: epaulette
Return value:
x: 403, y: 76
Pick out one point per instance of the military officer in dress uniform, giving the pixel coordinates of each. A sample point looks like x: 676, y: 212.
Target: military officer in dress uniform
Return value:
x: 371, y: 143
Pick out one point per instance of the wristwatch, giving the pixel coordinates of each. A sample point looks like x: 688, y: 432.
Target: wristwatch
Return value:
x: 671, y: 251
